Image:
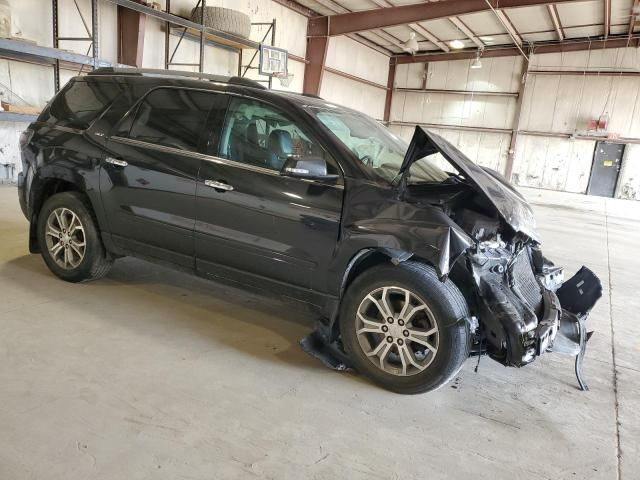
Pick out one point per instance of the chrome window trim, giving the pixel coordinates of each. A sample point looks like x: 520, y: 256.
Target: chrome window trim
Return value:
x: 78, y: 131
x: 214, y: 159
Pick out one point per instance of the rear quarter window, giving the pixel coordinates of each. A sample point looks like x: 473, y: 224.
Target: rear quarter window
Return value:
x: 80, y: 103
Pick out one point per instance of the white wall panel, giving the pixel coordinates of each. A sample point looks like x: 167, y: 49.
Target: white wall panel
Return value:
x: 449, y: 109
x: 629, y: 181
x: 10, y: 163
x: 353, y: 94
x: 352, y: 57
x: 553, y: 163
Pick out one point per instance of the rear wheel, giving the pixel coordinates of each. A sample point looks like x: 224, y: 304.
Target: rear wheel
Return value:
x: 404, y: 328
x: 69, y: 238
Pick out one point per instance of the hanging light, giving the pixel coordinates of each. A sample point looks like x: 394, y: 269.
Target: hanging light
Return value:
x: 477, y: 63
x: 411, y: 45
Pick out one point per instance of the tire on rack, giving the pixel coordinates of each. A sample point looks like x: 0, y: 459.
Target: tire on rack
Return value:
x: 404, y: 328
x: 224, y: 19
x: 70, y: 240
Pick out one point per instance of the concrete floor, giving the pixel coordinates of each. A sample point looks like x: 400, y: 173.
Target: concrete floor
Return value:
x: 150, y: 373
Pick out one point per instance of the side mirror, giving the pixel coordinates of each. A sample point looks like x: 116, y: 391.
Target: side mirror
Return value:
x: 306, y: 167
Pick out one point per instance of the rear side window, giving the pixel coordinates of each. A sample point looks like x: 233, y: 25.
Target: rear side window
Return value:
x: 80, y: 103
x: 173, y: 117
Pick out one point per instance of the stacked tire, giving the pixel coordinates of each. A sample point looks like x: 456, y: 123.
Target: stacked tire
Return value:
x: 224, y: 19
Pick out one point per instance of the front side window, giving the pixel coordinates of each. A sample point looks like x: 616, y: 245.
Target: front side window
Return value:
x: 260, y: 135
x: 173, y: 117
x: 376, y: 147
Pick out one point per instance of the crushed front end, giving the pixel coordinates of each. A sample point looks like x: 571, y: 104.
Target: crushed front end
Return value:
x: 525, y: 307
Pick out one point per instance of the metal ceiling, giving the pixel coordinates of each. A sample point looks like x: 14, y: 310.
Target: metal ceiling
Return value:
x: 597, y: 19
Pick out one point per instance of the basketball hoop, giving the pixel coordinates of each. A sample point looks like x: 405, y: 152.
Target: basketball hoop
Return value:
x: 285, y: 78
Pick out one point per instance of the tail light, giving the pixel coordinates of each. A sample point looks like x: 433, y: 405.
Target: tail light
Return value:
x: 25, y: 138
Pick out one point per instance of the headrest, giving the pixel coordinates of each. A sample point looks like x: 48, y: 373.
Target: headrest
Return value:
x: 252, y: 133
x: 280, y: 142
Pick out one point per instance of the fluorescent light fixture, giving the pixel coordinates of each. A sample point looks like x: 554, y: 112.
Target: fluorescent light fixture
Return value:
x: 486, y: 39
x: 457, y: 44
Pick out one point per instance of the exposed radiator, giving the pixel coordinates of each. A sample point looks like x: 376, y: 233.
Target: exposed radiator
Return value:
x: 526, y: 283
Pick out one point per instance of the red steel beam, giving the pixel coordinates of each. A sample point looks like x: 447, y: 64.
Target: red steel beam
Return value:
x: 316, y: 55
x: 354, y: 22
x: 632, y: 18
x: 619, y: 41
x: 390, y: 81
x: 131, y: 26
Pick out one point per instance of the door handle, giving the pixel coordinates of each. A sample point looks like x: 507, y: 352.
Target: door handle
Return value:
x: 115, y: 161
x: 218, y: 185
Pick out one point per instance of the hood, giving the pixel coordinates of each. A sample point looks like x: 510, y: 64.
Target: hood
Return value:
x: 509, y: 203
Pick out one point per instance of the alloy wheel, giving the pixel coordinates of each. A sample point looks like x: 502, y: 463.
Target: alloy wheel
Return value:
x: 397, y: 331
x: 65, y: 238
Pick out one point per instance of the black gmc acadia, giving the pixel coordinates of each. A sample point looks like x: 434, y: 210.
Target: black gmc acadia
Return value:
x: 416, y: 257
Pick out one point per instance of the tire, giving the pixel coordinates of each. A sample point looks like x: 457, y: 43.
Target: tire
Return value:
x: 445, y: 311
x: 224, y: 19
x: 95, y: 261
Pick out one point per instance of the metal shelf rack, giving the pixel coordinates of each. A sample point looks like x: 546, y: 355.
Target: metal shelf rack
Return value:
x: 184, y: 28
x: 24, y: 51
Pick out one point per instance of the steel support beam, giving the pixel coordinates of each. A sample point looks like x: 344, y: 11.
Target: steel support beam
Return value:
x: 555, y: 18
x: 416, y: 28
x: 607, y: 17
x: 552, y: 47
x: 633, y: 18
x: 587, y: 73
x: 131, y: 26
x: 467, y: 31
x: 429, y: 36
x: 391, y: 79
x: 316, y: 55
x: 354, y: 22
x: 513, y: 144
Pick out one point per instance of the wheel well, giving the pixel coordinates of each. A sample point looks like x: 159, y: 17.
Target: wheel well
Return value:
x: 368, y: 260
x: 47, y: 188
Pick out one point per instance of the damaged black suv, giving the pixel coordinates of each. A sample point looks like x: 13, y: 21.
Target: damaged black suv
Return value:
x: 416, y: 257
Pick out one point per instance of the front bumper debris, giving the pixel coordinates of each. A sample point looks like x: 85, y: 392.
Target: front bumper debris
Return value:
x: 578, y: 296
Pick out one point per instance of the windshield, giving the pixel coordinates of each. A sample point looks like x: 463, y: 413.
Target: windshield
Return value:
x: 376, y: 147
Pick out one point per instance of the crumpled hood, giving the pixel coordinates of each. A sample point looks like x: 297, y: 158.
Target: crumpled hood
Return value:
x: 509, y: 203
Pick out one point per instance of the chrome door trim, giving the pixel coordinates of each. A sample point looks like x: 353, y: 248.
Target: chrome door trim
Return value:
x: 218, y: 185
x: 214, y: 159
x: 115, y: 161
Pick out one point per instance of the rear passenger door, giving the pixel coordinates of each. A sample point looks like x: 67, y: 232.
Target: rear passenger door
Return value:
x: 253, y: 225
x: 149, y: 172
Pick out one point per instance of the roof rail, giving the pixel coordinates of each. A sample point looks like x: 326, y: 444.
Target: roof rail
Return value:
x: 157, y: 72
x: 247, y: 82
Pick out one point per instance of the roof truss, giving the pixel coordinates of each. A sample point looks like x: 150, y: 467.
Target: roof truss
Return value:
x: 353, y: 22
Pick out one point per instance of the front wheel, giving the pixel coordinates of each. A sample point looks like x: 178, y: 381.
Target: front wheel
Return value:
x: 69, y: 238
x: 404, y: 328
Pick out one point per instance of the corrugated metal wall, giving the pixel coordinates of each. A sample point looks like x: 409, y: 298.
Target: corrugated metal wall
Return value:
x: 554, y: 106
x: 34, y: 83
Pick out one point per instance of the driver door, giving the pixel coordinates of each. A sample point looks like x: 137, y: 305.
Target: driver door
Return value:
x: 254, y: 225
